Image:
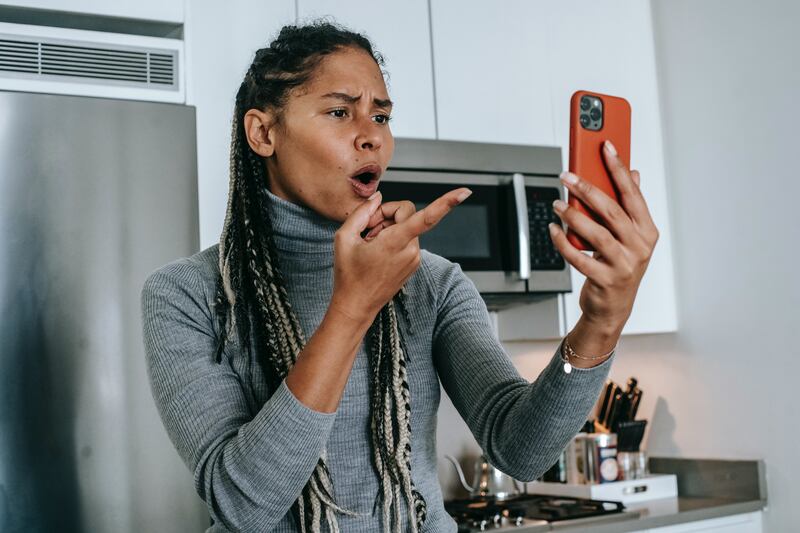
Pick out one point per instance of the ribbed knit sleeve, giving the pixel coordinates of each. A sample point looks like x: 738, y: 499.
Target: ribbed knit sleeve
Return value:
x: 522, y: 427
x: 248, y: 469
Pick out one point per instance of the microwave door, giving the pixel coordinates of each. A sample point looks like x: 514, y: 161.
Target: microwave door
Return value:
x: 475, y: 234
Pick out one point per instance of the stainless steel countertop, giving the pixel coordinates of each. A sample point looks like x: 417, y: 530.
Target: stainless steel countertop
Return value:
x: 665, y: 512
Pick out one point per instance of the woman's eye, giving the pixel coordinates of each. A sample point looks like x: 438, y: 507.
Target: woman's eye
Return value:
x: 385, y: 118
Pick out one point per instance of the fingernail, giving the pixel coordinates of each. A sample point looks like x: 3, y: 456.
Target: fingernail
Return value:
x: 463, y: 196
x: 376, y: 193
x: 552, y: 227
x: 610, y: 148
x: 559, y: 206
x: 569, y: 177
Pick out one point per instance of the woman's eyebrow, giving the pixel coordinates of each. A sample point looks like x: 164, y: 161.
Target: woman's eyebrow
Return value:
x: 379, y: 102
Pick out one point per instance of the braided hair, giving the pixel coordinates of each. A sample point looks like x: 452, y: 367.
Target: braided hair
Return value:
x: 251, y: 296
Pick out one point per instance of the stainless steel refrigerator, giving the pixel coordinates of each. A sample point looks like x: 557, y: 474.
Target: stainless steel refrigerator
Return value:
x: 94, y: 194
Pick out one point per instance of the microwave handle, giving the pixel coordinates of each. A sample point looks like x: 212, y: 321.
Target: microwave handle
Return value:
x: 523, y: 229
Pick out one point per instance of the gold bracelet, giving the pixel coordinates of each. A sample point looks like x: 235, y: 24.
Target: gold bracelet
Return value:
x: 566, y: 345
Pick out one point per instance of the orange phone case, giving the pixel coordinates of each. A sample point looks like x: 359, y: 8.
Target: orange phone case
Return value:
x: 586, y: 158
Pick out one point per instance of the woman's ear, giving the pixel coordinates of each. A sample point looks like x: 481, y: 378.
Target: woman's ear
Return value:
x: 260, y: 130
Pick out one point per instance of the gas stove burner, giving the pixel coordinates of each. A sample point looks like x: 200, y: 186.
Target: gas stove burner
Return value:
x: 482, y: 513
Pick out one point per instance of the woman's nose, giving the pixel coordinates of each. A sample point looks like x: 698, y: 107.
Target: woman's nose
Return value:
x: 369, y: 135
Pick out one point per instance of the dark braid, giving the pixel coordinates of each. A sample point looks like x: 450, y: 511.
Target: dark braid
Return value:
x: 251, y: 296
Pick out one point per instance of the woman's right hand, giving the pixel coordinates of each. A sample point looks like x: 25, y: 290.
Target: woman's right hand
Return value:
x: 367, y: 273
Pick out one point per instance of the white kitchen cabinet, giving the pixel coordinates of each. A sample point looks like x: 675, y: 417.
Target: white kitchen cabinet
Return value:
x: 161, y: 10
x: 740, y: 523
x: 401, y: 33
x: 607, y: 46
x: 221, y: 40
x: 491, y: 76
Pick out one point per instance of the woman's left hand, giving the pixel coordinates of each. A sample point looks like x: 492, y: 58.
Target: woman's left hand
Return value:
x: 623, y: 246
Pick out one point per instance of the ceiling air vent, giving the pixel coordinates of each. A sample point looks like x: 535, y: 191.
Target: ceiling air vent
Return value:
x: 135, y: 67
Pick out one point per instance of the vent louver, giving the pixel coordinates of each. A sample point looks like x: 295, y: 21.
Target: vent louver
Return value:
x: 62, y: 60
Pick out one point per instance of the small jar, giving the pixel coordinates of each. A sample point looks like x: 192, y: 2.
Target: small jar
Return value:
x: 625, y: 463
x: 641, y: 464
x: 632, y: 465
x: 597, y: 457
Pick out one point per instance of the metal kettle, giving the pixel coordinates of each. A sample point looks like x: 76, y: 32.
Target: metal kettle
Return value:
x: 487, y: 481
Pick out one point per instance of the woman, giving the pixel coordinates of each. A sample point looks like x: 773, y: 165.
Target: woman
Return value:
x: 336, y: 431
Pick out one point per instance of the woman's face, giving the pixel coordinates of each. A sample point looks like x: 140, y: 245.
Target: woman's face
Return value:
x: 331, y: 128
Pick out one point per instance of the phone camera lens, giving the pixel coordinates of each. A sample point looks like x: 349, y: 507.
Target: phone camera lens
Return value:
x: 595, y: 113
x: 584, y: 120
x: 585, y: 103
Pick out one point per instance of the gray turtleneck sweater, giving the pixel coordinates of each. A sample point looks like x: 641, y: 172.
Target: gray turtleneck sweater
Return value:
x: 252, y: 450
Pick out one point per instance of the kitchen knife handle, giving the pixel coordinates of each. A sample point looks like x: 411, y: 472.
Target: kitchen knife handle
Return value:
x: 612, y: 400
x: 613, y: 413
x: 624, y: 411
x: 604, y: 400
x: 637, y: 397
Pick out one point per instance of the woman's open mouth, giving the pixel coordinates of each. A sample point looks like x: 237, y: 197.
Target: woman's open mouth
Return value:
x: 365, y: 182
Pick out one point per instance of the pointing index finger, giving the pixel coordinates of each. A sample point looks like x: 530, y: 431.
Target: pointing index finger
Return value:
x: 425, y: 219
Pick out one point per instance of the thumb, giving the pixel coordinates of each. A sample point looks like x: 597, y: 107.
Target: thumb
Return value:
x: 358, y: 220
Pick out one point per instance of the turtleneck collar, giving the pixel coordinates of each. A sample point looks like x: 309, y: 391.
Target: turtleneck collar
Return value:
x: 300, y: 230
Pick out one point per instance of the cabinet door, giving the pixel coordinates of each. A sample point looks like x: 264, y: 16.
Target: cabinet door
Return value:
x: 221, y: 41
x: 163, y: 10
x: 400, y: 32
x: 607, y: 47
x: 742, y: 523
x: 491, y: 70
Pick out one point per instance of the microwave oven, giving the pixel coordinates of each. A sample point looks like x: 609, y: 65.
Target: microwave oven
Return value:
x: 499, y: 234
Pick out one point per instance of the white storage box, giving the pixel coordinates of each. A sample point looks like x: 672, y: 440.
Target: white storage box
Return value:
x: 651, y: 487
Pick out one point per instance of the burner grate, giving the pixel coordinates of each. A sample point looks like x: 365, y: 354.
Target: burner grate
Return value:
x: 533, y: 506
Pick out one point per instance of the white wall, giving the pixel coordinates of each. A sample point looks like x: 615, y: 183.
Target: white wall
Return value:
x: 220, y: 46
x: 725, y: 385
x: 729, y: 76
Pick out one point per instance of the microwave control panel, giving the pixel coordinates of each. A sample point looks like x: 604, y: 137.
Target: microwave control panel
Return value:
x: 544, y: 255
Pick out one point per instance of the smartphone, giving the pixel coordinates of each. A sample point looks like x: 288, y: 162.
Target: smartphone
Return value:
x: 593, y: 118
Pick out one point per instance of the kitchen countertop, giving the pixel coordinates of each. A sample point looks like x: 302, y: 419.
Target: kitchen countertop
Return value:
x: 707, y: 488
